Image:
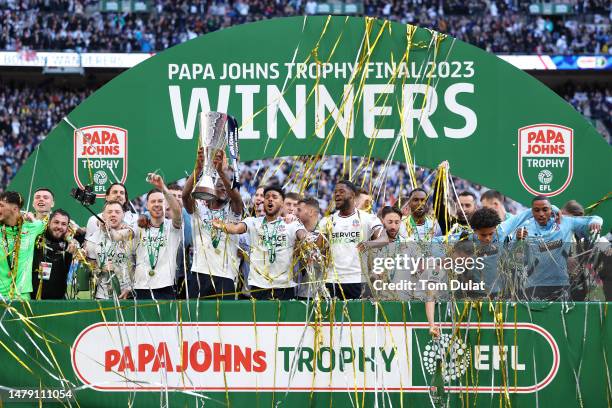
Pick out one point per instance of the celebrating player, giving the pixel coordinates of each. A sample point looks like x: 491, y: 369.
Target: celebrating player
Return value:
x: 18, y: 243
x: 52, y: 258
x: 290, y: 204
x: 109, y: 248
x: 345, y: 230
x: 118, y: 193
x: 156, y: 242
x: 309, y: 273
x: 272, y: 246
x: 549, y: 241
x: 44, y: 200
x: 419, y: 225
x: 215, y: 259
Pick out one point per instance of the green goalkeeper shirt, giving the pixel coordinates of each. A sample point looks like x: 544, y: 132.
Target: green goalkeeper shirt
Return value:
x: 20, y: 285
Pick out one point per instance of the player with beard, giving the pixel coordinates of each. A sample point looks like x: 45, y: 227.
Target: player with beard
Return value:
x: 156, y: 244
x: 309, y: 275
x: 43, y: 201
x: 346, y: 231
x: 109, y: 247
x: 467, y: 202
x: 18, y: 243
x: 308, y: 212
x: 52, y: 258
x: 116, y: 192
x: 392, y: 222
x: 215, y: 255
x: 272, y: 246
x: 549, y: 241
x: 391, y: 244
x: 419, y: 225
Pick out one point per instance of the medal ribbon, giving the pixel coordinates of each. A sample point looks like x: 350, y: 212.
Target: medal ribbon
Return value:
x: 269, y: 240
x: 154, y: 252
x: 106, y: 252
x: 215, y: 234
x: 411, y: 227
x: 12, y: 256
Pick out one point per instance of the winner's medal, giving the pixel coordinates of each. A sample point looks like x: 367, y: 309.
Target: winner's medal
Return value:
x: 154, y: 252
x: 215, y: 234
x: 215, y: 237
x: 269, y: 240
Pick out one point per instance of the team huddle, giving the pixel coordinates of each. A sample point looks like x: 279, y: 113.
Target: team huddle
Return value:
x: 281, y: 247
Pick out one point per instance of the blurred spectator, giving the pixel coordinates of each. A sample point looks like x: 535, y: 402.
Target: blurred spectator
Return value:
x: 500, y: 26
x: 594, y: 103
x: 27, y: 115
x: 386, y: 188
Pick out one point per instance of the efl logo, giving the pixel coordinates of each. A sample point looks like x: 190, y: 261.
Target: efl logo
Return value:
x: 545, y: 158
x: 100, y: 157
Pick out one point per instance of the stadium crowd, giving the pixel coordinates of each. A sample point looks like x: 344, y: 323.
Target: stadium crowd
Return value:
x: 27, y: 115
x: 501, y: 26
x: 387, y: 185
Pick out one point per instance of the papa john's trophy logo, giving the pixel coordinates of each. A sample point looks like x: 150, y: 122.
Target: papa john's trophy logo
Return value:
x: 100, y: 156
x: 545, y: 161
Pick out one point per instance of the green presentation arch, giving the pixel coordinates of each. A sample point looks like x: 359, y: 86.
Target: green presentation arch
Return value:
x: 330, y: 85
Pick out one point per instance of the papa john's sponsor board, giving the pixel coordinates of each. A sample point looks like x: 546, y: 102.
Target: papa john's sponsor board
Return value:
x: 100, y: 157
x: 545, y: 162
x: 293, y: 357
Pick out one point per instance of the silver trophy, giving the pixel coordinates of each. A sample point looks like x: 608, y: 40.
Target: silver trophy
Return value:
x: 216, y: 131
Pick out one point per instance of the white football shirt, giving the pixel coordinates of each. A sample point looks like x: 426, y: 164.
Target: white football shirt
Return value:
x: 279, y: 273
x: 146, y: 240
x: 343, y: 234
x: 220, y: 260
